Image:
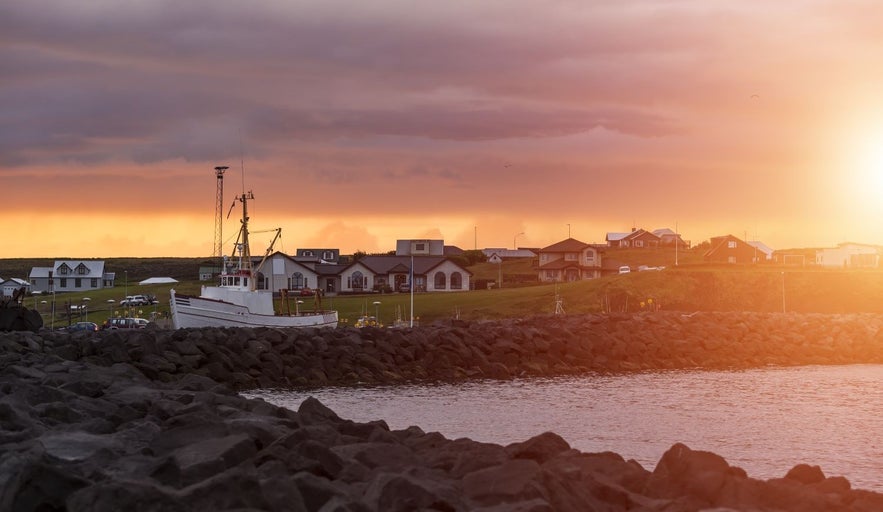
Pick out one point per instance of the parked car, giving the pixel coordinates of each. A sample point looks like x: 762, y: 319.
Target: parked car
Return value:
x: 624, y: 269
x: 82, y: 326
x: 307, y: 292
x: 404, y: 288
x: 139, y: 300
x: 125, y: 323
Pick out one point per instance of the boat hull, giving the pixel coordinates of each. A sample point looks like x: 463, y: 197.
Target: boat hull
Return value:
x: 190, y: 311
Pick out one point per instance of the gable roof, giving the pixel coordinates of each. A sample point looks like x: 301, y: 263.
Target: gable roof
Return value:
x: 508, y: 253
x: 14, y: 280
x: 568, y: 245
x: 717, y: 242
x: 95, y: 269
x: 762, y: 247
x: 663, y: 231
x: 638, y: 233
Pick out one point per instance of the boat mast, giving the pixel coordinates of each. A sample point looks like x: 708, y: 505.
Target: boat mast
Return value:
x: 245, y: 265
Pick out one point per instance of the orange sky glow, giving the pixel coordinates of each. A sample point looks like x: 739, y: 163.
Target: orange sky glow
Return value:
x: 486, y: 124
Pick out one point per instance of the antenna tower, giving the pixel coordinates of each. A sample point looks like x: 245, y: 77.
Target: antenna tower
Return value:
x: 218, y: 250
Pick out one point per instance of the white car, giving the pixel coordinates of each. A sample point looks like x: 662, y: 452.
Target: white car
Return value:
x: 624, y: 269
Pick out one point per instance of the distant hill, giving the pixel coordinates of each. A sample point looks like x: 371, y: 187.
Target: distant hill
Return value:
x: 137, y: 269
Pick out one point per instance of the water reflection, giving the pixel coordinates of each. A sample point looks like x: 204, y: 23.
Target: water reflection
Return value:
x: 763, y: 420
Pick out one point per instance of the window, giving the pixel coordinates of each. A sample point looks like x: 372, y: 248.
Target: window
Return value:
x: 78, y: 283
x: 731, y: 259
x: 570, y: 256
x: 590, y: 255
x: 328, y: 255
x: 440, y: 281
x: 64, y: 270
x: 82, y: 270
x: 308, y: 253
x: 550, y: 274
x: 357, y: 281
x: 639, y: 243
x: 420, y: 247
x: 62, y: 283
x: 456, y: 281
x: 731, y: 244
x: 297, y: 281
x: 93, y: 283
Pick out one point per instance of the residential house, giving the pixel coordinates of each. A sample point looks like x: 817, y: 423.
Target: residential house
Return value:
x: 669, y: 238
x: 764, y: 252
x: 71, y: 276
x: 281, y: 271
x: 849, y: 255
x: 729, y: 249
x: 431, y: 274
x: 11, y: 285
x: 209, y: 273
x: 636, y: 239
x: 569, y: 260
x: 614, y: 239
x: 498, y: 254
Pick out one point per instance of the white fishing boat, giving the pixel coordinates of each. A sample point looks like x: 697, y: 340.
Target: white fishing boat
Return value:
x: 235, y: 301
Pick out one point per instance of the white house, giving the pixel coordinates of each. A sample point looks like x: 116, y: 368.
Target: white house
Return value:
x: 9, y: 286
x: 281, y: 271
x: 431, y: 274
x: 71, y: 276
x: 849, y: 255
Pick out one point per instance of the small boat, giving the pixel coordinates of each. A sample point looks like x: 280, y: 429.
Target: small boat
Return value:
x: 235, y: 301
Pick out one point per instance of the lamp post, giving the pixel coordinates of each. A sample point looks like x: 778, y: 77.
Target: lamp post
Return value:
x: 514, y: 238
x: 377, y: 312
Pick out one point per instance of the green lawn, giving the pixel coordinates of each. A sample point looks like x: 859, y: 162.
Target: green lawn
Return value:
x: 690, y: 286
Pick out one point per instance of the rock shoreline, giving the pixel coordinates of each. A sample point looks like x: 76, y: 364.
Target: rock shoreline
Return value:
x: 150, y: 420
x: 540, y: 346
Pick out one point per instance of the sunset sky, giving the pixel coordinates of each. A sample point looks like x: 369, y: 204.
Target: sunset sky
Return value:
x: 358, y: 123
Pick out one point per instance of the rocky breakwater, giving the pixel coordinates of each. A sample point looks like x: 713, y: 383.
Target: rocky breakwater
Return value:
x: 77, y: 436
x: 539, y: 346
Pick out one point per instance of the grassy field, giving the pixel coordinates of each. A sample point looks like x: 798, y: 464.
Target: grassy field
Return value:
x: 691, y: 286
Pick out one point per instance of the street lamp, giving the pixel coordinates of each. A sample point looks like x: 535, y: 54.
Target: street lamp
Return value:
x: 377, y: 312
x: 297, y: 304
x: 515, y: 238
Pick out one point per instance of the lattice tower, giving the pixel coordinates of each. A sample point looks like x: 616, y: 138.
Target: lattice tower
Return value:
x: 218, y: 250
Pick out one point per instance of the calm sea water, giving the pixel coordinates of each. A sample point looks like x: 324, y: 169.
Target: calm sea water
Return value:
x: 764, y: 420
